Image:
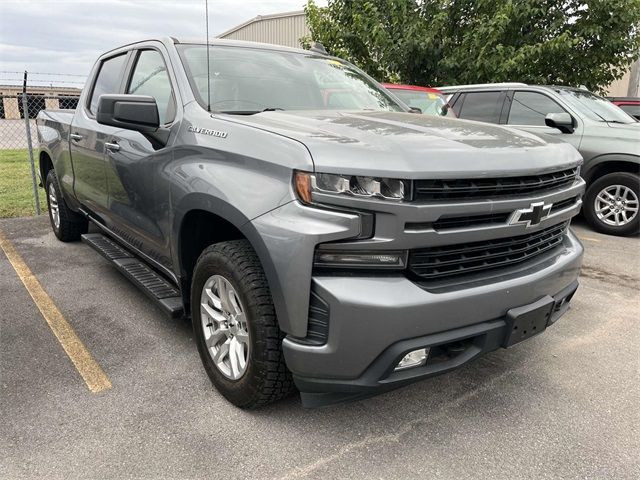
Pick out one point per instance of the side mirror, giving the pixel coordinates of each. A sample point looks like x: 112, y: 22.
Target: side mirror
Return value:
x: 132, y: 112
x: 561, y: 121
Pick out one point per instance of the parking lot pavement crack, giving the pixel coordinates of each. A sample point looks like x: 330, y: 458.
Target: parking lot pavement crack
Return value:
x: 610, y: 277
x: 396, y: 437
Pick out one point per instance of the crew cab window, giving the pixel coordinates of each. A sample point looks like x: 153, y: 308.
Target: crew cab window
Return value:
x: 530, y: 108
x: 108, y: 80
x: 481, y: 106
x: 150, y: 77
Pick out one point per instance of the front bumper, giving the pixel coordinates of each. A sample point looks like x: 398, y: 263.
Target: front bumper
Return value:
x: 375, y: 321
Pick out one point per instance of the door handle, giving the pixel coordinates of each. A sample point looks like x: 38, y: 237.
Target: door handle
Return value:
x: 76, y: 137
x: 114, y: 147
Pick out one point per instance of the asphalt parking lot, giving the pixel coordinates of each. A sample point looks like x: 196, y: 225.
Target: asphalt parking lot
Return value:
x: 562, y: 405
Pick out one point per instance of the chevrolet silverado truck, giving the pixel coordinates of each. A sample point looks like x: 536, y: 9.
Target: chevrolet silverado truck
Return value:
x: 318, y: 234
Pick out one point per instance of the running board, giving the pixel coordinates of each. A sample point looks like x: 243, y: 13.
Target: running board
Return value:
x: 149, y: 281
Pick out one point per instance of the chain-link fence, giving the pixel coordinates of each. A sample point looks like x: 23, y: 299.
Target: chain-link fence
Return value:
x: 19, y: 107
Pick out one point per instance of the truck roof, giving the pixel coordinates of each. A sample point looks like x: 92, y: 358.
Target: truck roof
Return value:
x: 219, y: 41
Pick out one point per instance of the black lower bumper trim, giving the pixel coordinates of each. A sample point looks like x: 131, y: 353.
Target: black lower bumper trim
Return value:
x: 448, y: 350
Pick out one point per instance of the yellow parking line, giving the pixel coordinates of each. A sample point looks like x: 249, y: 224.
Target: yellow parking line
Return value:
x: 87, y: 367
x: 589, y: 239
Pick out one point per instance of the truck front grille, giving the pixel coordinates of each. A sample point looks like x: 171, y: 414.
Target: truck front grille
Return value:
x: 446, y: 261
x: 492, y: 188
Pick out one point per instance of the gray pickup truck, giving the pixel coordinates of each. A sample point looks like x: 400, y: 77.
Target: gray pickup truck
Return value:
x: 607, y: 138
x: 317, y: 233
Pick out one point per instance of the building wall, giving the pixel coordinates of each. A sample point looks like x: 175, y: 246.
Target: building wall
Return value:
x: 50, y: 98
x: 283, y: 29
x: 628, y: 85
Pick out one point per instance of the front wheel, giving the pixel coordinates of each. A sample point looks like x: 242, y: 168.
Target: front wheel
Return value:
x: 611, y: 204
x: 235, y: 326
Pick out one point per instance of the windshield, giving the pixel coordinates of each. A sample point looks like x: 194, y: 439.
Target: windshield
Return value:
x: 251, y: 80
x: 595, y: 107
x: 429, y: 102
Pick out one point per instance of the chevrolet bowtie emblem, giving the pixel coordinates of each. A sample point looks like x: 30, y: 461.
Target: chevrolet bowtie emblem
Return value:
x: 531, y: 216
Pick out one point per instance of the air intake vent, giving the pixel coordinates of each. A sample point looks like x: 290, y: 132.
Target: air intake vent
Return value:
x: 444, y: 262
x: 318, y: 325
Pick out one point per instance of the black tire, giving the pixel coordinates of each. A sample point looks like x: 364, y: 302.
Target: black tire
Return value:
x: 71, y: 224
x: 266, y: 378
x: 629, y: 180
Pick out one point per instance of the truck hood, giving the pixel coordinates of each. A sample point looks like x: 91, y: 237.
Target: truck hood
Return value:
x: 409, y: 145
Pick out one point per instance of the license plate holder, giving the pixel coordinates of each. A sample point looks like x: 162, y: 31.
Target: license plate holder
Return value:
x: 527, y: 321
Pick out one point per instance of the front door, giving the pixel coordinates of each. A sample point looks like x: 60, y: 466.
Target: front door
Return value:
x: 138, y: 190
x: 528, y: 111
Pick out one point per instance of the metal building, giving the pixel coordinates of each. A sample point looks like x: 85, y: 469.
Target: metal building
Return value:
x: 280, y: 29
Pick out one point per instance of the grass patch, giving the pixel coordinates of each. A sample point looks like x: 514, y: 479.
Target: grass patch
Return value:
x: 16, y: 192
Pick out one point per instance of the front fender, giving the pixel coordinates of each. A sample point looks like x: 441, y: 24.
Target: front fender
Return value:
x: 285, y: 240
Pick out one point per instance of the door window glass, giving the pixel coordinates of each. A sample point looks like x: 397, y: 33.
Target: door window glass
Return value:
x: 481, y: 106
x: 530, y: 108
x: 150, y: 77
x: 108, y: 80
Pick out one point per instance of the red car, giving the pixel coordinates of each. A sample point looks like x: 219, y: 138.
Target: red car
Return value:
x: 630, y: 105
x: 430, y: 100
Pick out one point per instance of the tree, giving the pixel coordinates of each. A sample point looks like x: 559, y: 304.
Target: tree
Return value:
x: 448, y: 42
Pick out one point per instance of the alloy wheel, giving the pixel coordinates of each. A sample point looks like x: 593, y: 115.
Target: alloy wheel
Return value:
x: 224, y: 324
x: 54, y: 208
x: 616, y: 205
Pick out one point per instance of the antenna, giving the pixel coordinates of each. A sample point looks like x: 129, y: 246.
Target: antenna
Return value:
x: 206, y: 9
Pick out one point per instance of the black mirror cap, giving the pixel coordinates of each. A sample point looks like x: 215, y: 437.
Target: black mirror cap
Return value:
x: 132, y: 112
x: 562, y: 121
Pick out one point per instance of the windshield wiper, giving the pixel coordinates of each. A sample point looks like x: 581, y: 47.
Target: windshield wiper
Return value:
x: 250, y: 112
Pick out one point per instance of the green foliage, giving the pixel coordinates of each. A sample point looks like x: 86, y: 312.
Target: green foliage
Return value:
x: 447, y: 42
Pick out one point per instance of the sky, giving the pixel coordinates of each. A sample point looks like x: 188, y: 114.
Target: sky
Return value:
x: 66, y: 36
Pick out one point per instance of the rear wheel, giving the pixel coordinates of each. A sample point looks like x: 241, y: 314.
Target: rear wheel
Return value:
x: 611, y: 204
x: 67, y: 225
x: 235, y: 326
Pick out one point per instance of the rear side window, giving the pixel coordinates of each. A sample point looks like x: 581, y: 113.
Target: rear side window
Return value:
x: 530, y: 108
x: 481, y: 106
x: 108, y: 80
x: 150, y: 77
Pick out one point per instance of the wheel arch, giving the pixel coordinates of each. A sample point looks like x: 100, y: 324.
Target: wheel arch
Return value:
x: 202, y: 221
x: 605, y: 164
x: 45, y: 164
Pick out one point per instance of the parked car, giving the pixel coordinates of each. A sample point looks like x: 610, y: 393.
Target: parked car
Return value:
x: 350, y: 251
x: 430, y: 101
x: 607, y: 138
x: 631, y: 105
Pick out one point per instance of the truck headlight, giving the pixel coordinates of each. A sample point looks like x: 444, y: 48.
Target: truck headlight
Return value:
x: 356, y: 186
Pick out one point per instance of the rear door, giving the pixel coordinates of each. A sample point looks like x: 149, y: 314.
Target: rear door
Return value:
x: 88, y: 137
x: 138, y: 187
x: 528, y: 109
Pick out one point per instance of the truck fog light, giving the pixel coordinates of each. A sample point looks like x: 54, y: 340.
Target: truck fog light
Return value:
x: 412, y: 359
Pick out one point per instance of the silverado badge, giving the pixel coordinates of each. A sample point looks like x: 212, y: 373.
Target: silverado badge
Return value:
x: 207, y: 131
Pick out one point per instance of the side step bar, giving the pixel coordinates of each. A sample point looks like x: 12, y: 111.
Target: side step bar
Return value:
x: 149, y: 281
